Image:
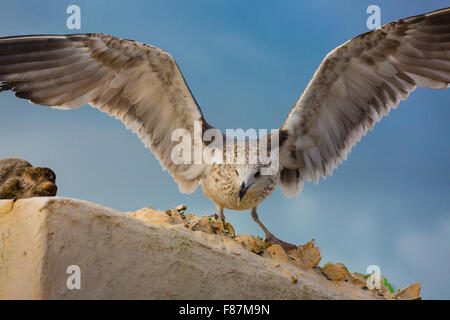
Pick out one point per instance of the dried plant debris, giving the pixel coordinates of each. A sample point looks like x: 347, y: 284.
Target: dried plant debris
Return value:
x: 252, y: 243
x: 309, y: 255
x: 335, y: 272
x: 409, y: 293
x: 358, y: 279
x: 178, y: 214
x: 277, y: 252
x: 210, y: 224
x: 306, y: 257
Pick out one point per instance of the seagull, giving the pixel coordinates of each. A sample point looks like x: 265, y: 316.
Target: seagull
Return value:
x: 356, y: 85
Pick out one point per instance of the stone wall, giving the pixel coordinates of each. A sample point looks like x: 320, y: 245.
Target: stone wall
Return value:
x: 149, y: 254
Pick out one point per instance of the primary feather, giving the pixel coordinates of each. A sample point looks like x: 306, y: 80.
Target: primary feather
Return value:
x: 355, y: 86
x: 139, y: 84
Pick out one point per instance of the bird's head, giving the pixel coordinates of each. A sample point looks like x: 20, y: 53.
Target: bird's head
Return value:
x: 250, y: 177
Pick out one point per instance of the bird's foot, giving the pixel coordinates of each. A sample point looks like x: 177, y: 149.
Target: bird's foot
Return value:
x: 285, y: 245
x: 214, y: 215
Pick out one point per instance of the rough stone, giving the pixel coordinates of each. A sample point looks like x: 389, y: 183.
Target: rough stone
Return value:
x: 18, y: 180
x: 141, y: 255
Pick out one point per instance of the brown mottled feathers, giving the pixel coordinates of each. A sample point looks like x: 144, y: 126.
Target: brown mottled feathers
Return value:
x: 139, y: 84
x: 355, y: 86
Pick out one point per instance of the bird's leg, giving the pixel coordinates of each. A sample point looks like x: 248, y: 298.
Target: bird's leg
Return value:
x: 222, y: 216
x: 269, y: 236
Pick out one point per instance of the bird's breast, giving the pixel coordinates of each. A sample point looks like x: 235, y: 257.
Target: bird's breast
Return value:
x: 223, y: 190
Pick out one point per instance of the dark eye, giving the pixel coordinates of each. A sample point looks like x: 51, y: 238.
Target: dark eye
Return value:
x: 257, y: 174
x: 237, y: 173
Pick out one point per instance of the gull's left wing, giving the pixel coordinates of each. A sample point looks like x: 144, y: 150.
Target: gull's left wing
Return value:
x: 354, y: 87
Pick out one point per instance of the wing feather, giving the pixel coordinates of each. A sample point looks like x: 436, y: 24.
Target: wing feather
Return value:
x: 139, y: 84
x: 355, y: 86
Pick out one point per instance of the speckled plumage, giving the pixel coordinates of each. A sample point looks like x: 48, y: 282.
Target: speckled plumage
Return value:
x: 221, y: 185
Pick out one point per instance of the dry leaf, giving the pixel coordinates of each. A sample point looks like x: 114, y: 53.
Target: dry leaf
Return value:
x: 411, y: 292
x: 335, y: 272
x: 277, y: 252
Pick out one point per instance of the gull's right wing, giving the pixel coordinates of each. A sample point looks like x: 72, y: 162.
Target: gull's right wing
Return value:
x: 139, y: 84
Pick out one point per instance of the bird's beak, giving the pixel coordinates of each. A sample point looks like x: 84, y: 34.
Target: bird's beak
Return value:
x: 242, y: 191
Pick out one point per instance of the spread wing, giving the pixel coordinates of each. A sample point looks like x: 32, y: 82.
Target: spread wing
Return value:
x: 354, y: 87
x: 139, y: 84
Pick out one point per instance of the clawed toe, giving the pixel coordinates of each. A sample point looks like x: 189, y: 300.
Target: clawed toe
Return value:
x: 285, y: 245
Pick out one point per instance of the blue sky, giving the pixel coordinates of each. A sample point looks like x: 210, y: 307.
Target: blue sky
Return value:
x: 388, y: 204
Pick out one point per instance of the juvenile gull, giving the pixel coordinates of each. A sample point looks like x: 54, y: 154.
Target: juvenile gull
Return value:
x: 354, y: 87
